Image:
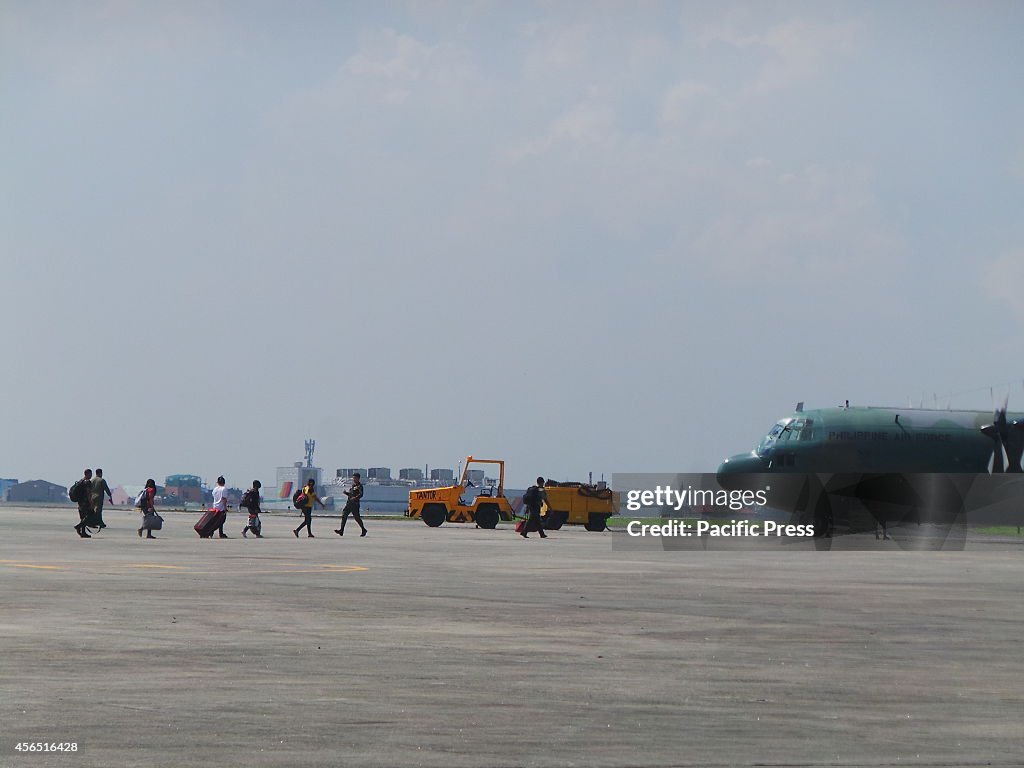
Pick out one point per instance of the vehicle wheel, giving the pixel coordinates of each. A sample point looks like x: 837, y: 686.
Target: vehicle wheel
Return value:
x: 596, y: 523
x: 555, y: 520
x: 434, y: 514
x: 487, y: 516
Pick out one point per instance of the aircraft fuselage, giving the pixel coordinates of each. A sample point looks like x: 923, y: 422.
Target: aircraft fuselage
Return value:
x: 873, y: 439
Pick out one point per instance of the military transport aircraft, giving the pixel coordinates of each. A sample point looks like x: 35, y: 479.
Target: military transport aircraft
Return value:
x: 853, y: 469
x: 852, y: 439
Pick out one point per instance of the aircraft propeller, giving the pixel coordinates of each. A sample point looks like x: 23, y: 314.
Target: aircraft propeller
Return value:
x: 1008, y: 437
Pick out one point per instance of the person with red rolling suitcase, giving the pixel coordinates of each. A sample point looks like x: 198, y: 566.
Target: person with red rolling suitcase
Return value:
x: 220, y: 503
x: 217, y: 515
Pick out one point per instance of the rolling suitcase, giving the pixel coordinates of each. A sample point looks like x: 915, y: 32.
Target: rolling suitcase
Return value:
x: 526, y: 525
x: 210, y: 522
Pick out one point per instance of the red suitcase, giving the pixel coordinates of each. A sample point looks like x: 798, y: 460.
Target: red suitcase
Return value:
x: 522, y: 524
x: 210, y: 522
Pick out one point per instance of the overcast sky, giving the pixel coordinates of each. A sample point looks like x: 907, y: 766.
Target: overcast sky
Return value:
x: 574, y: 235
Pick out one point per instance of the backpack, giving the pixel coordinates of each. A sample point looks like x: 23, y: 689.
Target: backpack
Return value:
x: 249, y: 499
x: 141, y: 498
x: 532, y: 497
x: 75, y: 491
x: 299, y: 499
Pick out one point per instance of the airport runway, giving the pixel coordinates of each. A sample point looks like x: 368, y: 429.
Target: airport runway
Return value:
x: 464, y: 647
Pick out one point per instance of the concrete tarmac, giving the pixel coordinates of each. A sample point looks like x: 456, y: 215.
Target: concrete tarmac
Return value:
x: 463, y: 647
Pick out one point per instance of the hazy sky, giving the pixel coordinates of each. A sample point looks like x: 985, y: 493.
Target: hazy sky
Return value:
x: 575, y: 235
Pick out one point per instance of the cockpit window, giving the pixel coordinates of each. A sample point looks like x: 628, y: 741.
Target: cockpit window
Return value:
x: 791, y: 431
x: 797, y: 430
x: 768, y: 442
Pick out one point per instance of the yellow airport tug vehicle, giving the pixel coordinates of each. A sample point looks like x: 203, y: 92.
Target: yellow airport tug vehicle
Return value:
x: 578, y: 504
x: 435, y: 506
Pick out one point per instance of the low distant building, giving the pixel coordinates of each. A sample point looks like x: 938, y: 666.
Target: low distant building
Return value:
x: 38, y: 491
x: 475, y: 476
x: 184, y: 487
x: 346, y: 472
x: 378, y: 473
x: 445, y: 476
x: 411, y: 473
x: 5, y: 484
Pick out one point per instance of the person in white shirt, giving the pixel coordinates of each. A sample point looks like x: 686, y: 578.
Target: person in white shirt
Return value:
x: 220, y: 503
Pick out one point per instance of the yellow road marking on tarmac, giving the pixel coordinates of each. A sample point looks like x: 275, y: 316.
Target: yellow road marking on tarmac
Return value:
x: 296, y: 568
x: 321, y: 569
x: 330, y: 566
x: 153, y: 565
x: 29, y: 565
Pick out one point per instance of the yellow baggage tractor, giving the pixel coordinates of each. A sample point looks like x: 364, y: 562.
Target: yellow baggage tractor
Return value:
x: 578, y: 504
x: 435, y: 506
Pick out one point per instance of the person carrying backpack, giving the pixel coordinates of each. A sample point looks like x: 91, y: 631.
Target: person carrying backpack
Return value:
x: 534, y: 498
x: 306, y: 507
x: 251, y: 501
x: 81, y: 494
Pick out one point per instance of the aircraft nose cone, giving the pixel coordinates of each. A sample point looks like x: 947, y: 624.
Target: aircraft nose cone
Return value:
x: 732, y: 470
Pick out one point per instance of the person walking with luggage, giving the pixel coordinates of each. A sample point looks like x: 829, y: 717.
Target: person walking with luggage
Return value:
x: 355, y: 493
x: 220, y: 504
x: 99, y: 488
x: 534, y: 498
x: 309, y: 491
x: 81, y: 493
x: 147, y: 503
x: 251, y: 501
